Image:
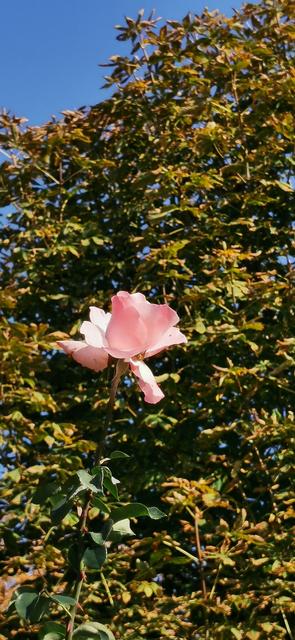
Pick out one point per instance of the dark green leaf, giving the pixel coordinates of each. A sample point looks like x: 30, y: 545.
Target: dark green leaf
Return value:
x: 94, y: 558
x: 60, y: 510
x: 74, y: 556
x: 44, y: 491
x: 110, y: 483
x: 52, y: 631
x: 93, y: 631
x: 31, y: 606
x: 134, y: 510
x: 100, y: 504
x: 118, y: 454
x: 66, y: 601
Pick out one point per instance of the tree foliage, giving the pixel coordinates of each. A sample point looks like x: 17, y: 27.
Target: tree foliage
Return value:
x: 180, y: 186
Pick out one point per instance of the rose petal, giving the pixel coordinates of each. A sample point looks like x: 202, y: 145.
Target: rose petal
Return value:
x: 126, y: 334
x: 99, y: 318
x: 93, y: 335
x: 170, y: 337
x: 146, y: 381
x: 157, y: 318
x: 136, y: 324
x: 90, y: 357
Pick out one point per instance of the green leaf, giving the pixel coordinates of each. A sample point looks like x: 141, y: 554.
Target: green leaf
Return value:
x: 115, y: 455
x: 83, y: 481
x: 64, y: 601
x: 52, y: 631
x: 31, y: 606
x: 93, y: 631
x: 100, y: 504
x: 70, y: 520
x: 134, y: 510
x: 119, y: 529
x: 100, y: 537
x: 94, y: 558
x: 97, y: 538
x: 73, y: 250
x: 179, y: 560
x: 110, y: 483
x: 89, y: 482
x: 44, y: 491
x: 98, y: 241
x: 23, y: 601
x: 74, y: 556
x: 60, y: 510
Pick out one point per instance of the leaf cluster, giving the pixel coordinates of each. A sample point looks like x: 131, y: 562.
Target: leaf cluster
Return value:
x: 179, y: 185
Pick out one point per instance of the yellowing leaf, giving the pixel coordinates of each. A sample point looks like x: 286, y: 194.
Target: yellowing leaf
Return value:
x: 285, y: 186
x: 257, y: 562
x: 199, y: 326
x: 36, y: 469
x: 126, y: 597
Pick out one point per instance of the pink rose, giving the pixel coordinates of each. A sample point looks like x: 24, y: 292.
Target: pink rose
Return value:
x: 135, y: 329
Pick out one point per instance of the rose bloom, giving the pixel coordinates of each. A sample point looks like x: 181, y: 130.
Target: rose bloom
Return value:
x: 136, y: 329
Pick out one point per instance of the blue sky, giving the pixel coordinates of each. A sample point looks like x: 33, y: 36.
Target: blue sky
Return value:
x: 50, y: 49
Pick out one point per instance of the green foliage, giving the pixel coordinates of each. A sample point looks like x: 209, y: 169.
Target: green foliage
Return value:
x: 30, y: 606
x: 52, y: 631
x: 93, y: 631
x: 134, y: 510
x: 179, y: 185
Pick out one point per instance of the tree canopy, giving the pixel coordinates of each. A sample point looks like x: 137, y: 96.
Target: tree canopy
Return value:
x: 180, y: 186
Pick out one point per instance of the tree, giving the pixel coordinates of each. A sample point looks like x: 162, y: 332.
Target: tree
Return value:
x: 179, y: 185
